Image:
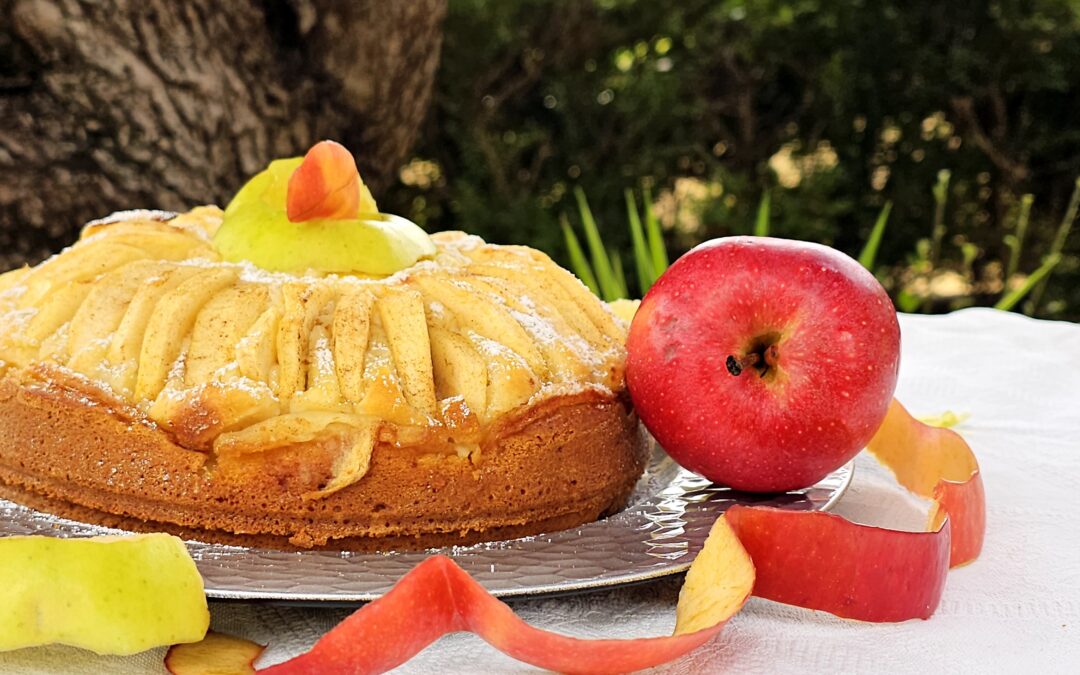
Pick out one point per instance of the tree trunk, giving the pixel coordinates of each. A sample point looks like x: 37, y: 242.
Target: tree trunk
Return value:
x: 122, y: 104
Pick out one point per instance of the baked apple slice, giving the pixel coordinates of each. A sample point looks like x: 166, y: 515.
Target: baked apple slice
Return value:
x: 813, y: 560
x: 216, y: 654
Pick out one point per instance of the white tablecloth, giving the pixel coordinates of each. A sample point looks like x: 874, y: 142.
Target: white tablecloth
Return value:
x: 1015, y: 610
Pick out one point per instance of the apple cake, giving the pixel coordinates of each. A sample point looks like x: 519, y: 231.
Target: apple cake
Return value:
x: 145, y: 383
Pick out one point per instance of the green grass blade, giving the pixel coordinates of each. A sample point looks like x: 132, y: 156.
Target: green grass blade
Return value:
x: 642, y: 261
x: 600, y: 263
x: 761, y: 225
x: 1037, y: 277
x: 657, y: 249
x: 1068, y: 220
x: 907, y: 302
x: 969, y: 252
x: 620, y: 276
x: 1016, y: 242
x: 870, y: 249
x: 1059, y: 243
x: 941, y: 199
x: 578, y: 261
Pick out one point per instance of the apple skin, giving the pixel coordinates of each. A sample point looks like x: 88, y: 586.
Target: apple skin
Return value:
x: 937, y: 464
x: 821, y: 561
x: 825, y: 339
x: 327, y: 186
x: 438, y: 597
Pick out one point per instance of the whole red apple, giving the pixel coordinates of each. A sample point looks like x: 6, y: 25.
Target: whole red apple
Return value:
x: 763, y: 364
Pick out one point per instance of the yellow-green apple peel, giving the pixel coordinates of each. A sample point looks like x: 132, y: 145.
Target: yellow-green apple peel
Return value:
x: 111, y: 595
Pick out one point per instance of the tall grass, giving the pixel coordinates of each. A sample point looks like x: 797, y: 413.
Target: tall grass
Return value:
x: 602, y: 270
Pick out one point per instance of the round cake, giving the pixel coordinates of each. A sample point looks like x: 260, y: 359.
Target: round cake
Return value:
x: 146, y: 383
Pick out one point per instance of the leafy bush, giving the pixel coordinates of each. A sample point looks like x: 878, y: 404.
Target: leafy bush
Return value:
x: 833, y: 109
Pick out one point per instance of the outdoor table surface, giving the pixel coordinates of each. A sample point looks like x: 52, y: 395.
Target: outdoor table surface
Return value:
x: 1015, y: 609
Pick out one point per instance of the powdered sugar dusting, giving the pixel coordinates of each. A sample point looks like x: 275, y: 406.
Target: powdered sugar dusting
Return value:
x: 559, y: 389
x: 324, y: 357
x: 133, y: 214
x: 250, y: 367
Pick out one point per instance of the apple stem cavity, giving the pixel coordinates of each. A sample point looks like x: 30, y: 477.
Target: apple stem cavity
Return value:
x: 763, y: 355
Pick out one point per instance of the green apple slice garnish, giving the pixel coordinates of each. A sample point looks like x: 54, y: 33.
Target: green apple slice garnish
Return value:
x: 257, y: 229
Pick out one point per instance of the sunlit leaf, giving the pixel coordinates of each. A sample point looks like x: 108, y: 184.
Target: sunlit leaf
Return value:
x: 621, y: 291
x: 657, y: 249
x: 600, y: 263
x: 642, y: 261
x: 1058, y: 246
x: 869, y: 252
x: 578, y: 261
x: 1015, y: 242
x: 941, y: 198
x: 761, y: 225
x: 1017, y: 294
x: 907, y: 302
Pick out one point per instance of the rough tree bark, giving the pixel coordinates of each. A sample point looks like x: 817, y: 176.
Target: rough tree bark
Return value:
x: 116, y: 104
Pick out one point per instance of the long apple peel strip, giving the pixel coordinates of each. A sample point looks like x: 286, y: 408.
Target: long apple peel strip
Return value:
x: 929, y: 461
x: 438, y: 597
x: 870, y: 573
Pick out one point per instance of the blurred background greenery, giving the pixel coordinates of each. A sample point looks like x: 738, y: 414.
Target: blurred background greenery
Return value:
x: 952, y: 112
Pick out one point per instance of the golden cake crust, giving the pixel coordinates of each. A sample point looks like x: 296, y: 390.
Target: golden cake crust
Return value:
x: 146, y: 383
x: 566, y: 461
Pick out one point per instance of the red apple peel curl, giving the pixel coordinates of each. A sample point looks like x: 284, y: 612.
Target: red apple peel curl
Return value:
x: 813, y: 560
x: 822, y: 561
x: 325, y: 185
x: 936, y: 463
x: 825, y: 562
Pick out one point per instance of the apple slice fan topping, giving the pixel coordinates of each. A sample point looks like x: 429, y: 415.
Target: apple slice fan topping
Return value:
x: 314, y: 213
x: 813, y: 560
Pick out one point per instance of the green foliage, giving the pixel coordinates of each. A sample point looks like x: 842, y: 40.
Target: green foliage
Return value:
x: 907, y: 302
x: 610, y: 286
x: 1037, y: 277
x: 868, y: 256
x: 831, y: 108
x: 650, y: 257
x: 1015, y: 242
x: 646, y: 273
x: 1058, y: 246
x: 610, y: 262
x: 941, y: 200
x: 578, y: 262
x: 761, y: 223
x: 657, y: 247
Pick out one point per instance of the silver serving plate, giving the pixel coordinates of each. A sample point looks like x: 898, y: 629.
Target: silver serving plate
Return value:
x: 659, y: 533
